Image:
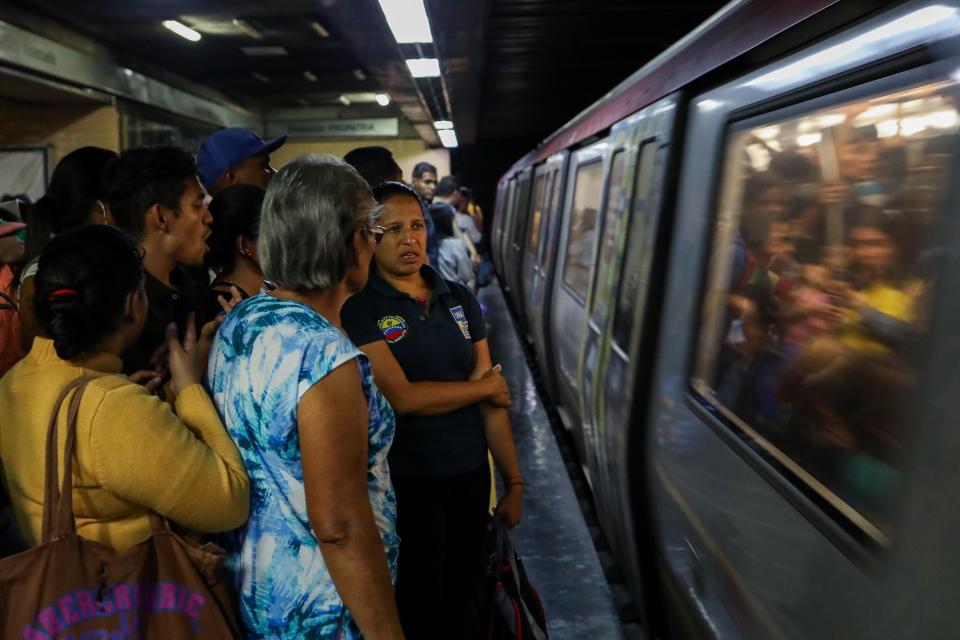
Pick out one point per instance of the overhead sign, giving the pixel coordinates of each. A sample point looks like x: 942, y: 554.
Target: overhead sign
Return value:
x: 367, y: 128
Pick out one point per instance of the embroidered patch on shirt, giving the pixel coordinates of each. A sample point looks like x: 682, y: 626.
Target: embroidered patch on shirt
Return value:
x: 394, y: 328
x: 461, y: 319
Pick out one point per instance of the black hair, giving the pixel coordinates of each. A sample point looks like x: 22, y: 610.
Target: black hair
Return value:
x: 143, y: 177
x: 82, y: 284
x: 447, y: 186
x: 374, y: 164
x: 866, y: 133
x: 236, y: 212
x: 442, y: 219
x: 466, y: 192
x: 893, y: 224
x: 74, y: 189
x: 422, y: 168
x: 793, y: 167
x: 386, y: 190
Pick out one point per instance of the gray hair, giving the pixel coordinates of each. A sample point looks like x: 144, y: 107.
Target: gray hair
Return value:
x: 310, y: 212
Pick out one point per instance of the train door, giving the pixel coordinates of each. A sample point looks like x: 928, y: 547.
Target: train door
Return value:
x: 496, y: 233
x: 803, y: 446
x: 508, y: 211
x: 623, y: 308
x: 543, y: 275
x: 515, y: 243
x: 529, y: 266
x: 578, y: 240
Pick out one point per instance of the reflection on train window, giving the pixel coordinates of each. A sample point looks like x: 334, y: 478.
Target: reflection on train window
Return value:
x: 636, y: 252
x: 583, y: 227
x: 824, y: 261
x: 539, y: 188
x: 553, y: 197
x: 616, y: 204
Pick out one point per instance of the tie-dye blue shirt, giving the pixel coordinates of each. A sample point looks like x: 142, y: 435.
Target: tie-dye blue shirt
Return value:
x: 265, y: 357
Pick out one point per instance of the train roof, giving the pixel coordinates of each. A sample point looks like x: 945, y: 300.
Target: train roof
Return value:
x: 734, y: 30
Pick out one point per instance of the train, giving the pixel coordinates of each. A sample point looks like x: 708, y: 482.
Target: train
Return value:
x: 735, y: 273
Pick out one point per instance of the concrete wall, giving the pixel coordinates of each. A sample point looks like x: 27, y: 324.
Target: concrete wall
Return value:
x: 61, y: 127
x: 407, y: 151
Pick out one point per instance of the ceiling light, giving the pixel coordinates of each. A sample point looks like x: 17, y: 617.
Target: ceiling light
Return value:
x: 345, y: 101
x: 383, y: 99
x: 261, y: 77
x: 407, y: 20
x: 260, y: 52
x: 359, y: 74
x: 424, y: 67
x: 182, y: 30
x: 442, y: 124
x: 310, y: 76
x: 318, y: 28
x: 448, y: 137
x: 303, y: 102
x: 248, y: 28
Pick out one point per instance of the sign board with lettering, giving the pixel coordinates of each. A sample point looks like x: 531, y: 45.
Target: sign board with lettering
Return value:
x: 366, y: 128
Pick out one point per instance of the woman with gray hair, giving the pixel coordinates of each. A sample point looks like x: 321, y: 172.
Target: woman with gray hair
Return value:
x: 318, y: 555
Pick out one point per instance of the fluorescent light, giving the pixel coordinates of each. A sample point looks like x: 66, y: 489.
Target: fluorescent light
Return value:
x: 448, y: 137
x: 345, y: 101
x: 182, y: 30
x: 303, y: 101
x: 359, y: 75
x: 407, y: 20
x: 808, y: 139
x: 248, y: 28
x: 424, y: 67
x: 383, y: 99
x: 442, y: 124
x: 264, y: 51
x: 261, y: 77
x: 310, y: 76
x: 319, y: 29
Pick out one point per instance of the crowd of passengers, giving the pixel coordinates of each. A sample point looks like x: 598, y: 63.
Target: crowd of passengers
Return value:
x: 301, y: 367
x: 825, y: 306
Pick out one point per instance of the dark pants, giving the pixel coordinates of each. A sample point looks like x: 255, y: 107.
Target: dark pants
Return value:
x: 441, y: 522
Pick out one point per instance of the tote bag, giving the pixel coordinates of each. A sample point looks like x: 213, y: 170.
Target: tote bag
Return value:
x: 71, y: 588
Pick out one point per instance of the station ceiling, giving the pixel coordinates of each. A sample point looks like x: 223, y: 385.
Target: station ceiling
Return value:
x: 513, y: 69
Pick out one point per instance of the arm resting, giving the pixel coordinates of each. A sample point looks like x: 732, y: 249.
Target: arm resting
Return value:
x: 332, y: 420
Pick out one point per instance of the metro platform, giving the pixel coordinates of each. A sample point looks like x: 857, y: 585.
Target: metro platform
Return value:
x: 552, y: 539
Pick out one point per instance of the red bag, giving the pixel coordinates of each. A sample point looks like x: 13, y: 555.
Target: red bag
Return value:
x: 70, y: 588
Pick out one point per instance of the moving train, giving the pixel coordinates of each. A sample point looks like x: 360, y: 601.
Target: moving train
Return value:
x: 738, y: 273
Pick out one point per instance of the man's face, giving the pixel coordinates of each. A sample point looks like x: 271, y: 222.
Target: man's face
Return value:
x: 189, y: 227
x: 255, y: 170
x: 426, y: 185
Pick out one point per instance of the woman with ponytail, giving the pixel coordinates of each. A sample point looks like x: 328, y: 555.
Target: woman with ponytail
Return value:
x: 135, y: 453
x: 75, y: 197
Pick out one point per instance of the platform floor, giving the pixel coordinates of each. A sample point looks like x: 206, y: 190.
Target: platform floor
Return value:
x: 552, y: 539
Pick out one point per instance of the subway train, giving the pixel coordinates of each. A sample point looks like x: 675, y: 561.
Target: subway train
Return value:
x: 737, y: 275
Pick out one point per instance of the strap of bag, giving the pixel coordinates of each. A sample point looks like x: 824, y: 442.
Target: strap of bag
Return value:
x: 505, y: 547
x: 51, y: 497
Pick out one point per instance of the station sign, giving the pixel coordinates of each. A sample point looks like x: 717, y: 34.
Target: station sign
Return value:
x: 369, y: 127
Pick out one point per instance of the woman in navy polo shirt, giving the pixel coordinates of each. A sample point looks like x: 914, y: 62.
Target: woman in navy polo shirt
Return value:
x: 426, y: 339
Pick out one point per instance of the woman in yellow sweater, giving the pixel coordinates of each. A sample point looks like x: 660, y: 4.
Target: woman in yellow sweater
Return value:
x: 133, y: 454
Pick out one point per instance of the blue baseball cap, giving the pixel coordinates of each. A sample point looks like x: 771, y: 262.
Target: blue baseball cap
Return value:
x: 228, y: 147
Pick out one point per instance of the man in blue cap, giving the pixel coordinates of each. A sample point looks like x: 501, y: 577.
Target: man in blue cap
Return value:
x: 236, y: 156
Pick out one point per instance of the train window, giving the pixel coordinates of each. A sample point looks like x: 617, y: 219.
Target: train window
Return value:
x: 583, y: 227
x: 539, y: 189
x: 520, y: 217
x: 822, y: 269
x: 553, y: 200
x: 635, y: 252
x: 616, y: 205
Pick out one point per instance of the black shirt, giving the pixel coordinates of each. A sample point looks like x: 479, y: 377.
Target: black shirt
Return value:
x: 434, y: 345
x: 166, y: 305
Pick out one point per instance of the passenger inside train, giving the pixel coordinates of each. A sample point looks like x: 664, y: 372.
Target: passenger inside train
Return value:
x: 827, y: 231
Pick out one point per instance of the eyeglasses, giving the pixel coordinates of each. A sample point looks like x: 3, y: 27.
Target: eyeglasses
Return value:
x: 377, y: 232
